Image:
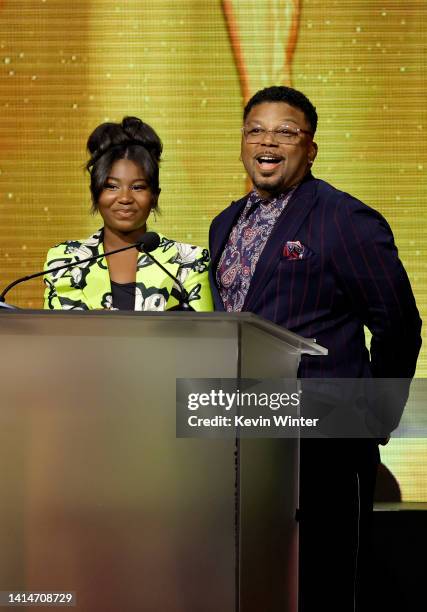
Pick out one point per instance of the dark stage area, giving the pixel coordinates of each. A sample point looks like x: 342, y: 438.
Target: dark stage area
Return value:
x: 397, y: 580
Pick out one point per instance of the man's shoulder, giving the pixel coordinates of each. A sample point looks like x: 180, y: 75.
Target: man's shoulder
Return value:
x: 341, y: 202
x: 336, y: 200
x: 231, y: 210
x: 342, y: 212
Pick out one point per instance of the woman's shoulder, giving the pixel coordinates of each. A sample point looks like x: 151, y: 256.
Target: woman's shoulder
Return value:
x: 191, y: 264
x: 78, y: 249
x: 183, y: 253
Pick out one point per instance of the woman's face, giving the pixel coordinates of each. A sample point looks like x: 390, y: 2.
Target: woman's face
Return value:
x: 126, y: 200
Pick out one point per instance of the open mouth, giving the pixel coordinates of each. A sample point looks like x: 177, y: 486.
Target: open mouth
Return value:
x: 268, y: 162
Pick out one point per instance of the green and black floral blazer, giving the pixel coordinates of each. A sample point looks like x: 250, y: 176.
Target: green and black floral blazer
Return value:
x: 88, y: 286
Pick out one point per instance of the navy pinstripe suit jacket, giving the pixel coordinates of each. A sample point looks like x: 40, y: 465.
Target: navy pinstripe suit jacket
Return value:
x: 351, y: 276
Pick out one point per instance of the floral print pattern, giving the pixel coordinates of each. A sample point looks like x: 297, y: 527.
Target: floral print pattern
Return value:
x: 86, y: 286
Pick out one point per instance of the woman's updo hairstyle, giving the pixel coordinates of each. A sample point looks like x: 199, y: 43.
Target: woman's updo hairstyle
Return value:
x: 131, y: 139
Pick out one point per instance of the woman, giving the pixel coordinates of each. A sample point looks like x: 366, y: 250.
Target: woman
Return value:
x: 124, y: 182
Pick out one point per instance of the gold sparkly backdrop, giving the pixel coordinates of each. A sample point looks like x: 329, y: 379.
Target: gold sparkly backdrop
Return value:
x: 185, y: 67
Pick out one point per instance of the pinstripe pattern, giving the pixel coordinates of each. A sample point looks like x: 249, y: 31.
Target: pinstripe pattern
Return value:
x: 352, y: 277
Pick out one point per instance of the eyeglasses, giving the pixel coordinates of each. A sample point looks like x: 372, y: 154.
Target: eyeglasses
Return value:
x: 283, y: 135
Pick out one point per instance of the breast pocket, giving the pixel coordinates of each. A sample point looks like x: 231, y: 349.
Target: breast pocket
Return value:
x: 298, y: 280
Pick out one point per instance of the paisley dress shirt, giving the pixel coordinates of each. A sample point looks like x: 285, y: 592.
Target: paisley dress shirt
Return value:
x: 245, y: 245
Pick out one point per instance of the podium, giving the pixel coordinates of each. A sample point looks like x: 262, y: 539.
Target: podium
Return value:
x: 99, y: 496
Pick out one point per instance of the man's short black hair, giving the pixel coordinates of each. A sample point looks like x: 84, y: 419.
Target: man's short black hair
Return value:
x: 293, y: 97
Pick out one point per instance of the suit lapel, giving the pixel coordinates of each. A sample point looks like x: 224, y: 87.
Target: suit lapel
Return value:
x: 285, y: 229
x: 228, y: 219
x: 98, y: 279
x: 218, y: 236
x: 152, y: 275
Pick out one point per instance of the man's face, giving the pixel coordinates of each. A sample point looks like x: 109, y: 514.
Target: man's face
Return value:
x: 274, y: 167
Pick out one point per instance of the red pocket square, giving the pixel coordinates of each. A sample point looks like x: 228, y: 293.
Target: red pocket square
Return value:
x: 294, y: 250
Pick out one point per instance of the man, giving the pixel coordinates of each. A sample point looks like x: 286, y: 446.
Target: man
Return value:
x: 319, y: 262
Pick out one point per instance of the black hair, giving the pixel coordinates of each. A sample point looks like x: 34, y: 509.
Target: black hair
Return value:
x: 131, y: 139
x: 293, y: 97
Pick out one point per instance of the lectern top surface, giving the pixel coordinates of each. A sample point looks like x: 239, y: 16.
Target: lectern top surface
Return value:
x: 11, y: 322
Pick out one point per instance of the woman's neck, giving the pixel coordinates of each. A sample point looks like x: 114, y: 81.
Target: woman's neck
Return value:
x: 114, y: 239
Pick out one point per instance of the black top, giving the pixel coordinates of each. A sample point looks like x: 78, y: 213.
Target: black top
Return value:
x: 123, y: 295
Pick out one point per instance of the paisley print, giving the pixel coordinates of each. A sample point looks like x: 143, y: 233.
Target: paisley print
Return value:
x: 245, y: 245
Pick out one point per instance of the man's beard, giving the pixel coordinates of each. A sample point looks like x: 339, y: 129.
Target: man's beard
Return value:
x: 269, y: 187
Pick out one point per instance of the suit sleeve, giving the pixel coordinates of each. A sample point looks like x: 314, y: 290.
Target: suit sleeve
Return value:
x: 213, y: 249
x: 377, y: 286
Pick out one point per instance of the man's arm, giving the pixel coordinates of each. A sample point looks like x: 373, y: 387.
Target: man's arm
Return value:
x: 372, y: 275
